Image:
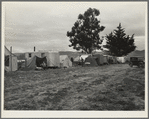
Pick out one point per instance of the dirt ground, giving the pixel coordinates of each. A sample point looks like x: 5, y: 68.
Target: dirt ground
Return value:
x: 108, y: 87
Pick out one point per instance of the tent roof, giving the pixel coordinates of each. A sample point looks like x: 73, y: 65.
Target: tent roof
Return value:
x: 6, y: 50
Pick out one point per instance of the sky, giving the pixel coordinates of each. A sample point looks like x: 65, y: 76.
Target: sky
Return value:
x: 45, y: 24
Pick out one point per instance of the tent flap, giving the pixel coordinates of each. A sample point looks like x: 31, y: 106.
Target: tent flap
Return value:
x: 34, y: 62
x: 7, y: 60
x: 39, y: 61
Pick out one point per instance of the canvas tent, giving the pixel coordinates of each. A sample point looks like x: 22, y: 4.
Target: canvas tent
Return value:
x: 31, y: 64
x: 53, y: 58
x: 105, y: 59
x: 121, y: 59
x: 100, y: 59
x: 114, y: 59
x: 77, y: 59
x: 83, y: 57
x: 10, y: 61
x: 110, y: 59
x: 65, y: 61
x: 91, y: 61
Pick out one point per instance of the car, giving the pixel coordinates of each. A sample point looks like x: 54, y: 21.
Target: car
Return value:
x: 138, y: 61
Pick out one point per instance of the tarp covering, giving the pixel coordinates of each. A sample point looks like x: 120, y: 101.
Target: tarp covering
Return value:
x: 34, y: 62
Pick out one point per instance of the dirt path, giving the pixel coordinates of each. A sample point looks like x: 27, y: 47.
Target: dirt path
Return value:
x: 107, y: 87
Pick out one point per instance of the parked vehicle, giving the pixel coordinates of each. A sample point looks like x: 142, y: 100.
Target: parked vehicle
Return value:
x: 138, y: 61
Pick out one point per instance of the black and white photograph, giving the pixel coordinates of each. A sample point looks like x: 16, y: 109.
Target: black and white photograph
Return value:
x: 74, y: 59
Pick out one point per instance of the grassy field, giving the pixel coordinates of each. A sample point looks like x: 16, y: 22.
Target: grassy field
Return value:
x: 109, y: 87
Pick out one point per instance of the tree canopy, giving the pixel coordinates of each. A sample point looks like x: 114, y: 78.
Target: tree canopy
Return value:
x: 118, y: 43
x: 85, y: 32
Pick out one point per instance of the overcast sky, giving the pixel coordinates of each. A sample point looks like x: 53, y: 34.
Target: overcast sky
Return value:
x: 45, y: 24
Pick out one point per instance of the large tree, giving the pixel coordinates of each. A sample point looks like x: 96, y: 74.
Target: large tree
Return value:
x: 85, y: 32
x: 118, y: 43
